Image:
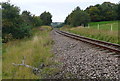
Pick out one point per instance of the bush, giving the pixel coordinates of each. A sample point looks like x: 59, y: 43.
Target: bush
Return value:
x: 7, y: 37
x: 13, y: 25
x: 22, y: 32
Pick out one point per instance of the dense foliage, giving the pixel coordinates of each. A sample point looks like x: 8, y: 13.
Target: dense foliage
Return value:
x: 11, y: 21
x: 106, y: 11
x: 46, y: 18
x: 18, y: 26
x: 37, y: 21
x: 118, y: 11
x: 27, y: 18
x: 77, y: 18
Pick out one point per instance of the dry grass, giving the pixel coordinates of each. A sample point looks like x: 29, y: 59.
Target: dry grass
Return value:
x: 35, y: 49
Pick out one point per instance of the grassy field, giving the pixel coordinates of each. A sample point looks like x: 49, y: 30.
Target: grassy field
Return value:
x: 0, y: 61
x: 92, y: 32
x: 36, y: 49
x: 0, y: 67
x: 104, y: 25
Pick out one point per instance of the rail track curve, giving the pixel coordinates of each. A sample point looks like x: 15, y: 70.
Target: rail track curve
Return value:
x: 102, y: 44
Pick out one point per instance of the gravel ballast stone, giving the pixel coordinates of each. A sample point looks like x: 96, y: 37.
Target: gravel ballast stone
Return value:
x: 83, y: 61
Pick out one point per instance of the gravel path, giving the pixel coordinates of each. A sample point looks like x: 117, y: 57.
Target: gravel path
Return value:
x: 83, y: 61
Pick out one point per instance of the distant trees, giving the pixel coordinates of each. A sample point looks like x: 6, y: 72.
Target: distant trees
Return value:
x: 18, y: 26
x: 94, y: 14
x: 57, y: 24
x: 77, y: 18
x: 118, y: 10
x: 46, y: 18
x: 104, y: 12
x: 31, y: 20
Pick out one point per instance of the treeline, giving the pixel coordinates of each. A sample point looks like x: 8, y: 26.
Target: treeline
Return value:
x: 18, y: 26
x: 106, y: 11
x: 77, y: 18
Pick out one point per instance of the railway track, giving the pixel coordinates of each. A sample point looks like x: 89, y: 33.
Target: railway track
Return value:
x: 114, y: 48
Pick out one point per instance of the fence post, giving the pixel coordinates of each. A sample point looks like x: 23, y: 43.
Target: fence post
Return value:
x: 88, y: 26
x: 98, y: 26
x: 111, y: 27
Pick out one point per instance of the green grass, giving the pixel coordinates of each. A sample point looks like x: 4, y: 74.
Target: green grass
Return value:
x: 0, y: 58
x: 103, y: 34
x: 36, y: 49
x: 104, y: 25
x: 0, y: 67
x: 102, y: 22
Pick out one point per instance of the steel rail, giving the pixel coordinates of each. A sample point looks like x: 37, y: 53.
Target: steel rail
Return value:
x: 103, y: 42
x: 99, y: 43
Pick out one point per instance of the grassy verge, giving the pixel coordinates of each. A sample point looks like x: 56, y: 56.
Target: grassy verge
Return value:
x: 0, y: 59
x: 36, y: 49
x: 105, y: 35
x: 104, y: 25
x: 0, y: 67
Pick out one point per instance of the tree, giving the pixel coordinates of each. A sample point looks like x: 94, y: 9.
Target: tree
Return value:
x: 10, y: 19
x: 118, y: 11
x: 27, y: 18
x: 77, y: 18
x: 46, y: 18
x: 80, y: 18
x: 94, y: 14
x: 108, y: 11
x: 67, y: 20
x: 13, y: 26
x: 37, y: 21
x: 104, y: 12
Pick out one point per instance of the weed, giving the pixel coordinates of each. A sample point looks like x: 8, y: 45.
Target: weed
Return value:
x: 36, y: 50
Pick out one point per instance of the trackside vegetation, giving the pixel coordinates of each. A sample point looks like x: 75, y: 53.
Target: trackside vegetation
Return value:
x: 92, y: 32
x: 99, y: 21
x: 36, y: 50
x: 19, y: 26
x: 27, y: 35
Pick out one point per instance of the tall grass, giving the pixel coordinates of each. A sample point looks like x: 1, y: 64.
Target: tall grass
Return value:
x: 105, y: 35
x: 0, y: 58
x: 0, y: 67
x: 36, y: 49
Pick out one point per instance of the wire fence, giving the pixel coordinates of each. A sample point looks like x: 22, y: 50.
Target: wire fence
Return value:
x: 110, y: 27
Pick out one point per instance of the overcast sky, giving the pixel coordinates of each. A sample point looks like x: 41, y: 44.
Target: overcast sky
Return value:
x: 58, y: 8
